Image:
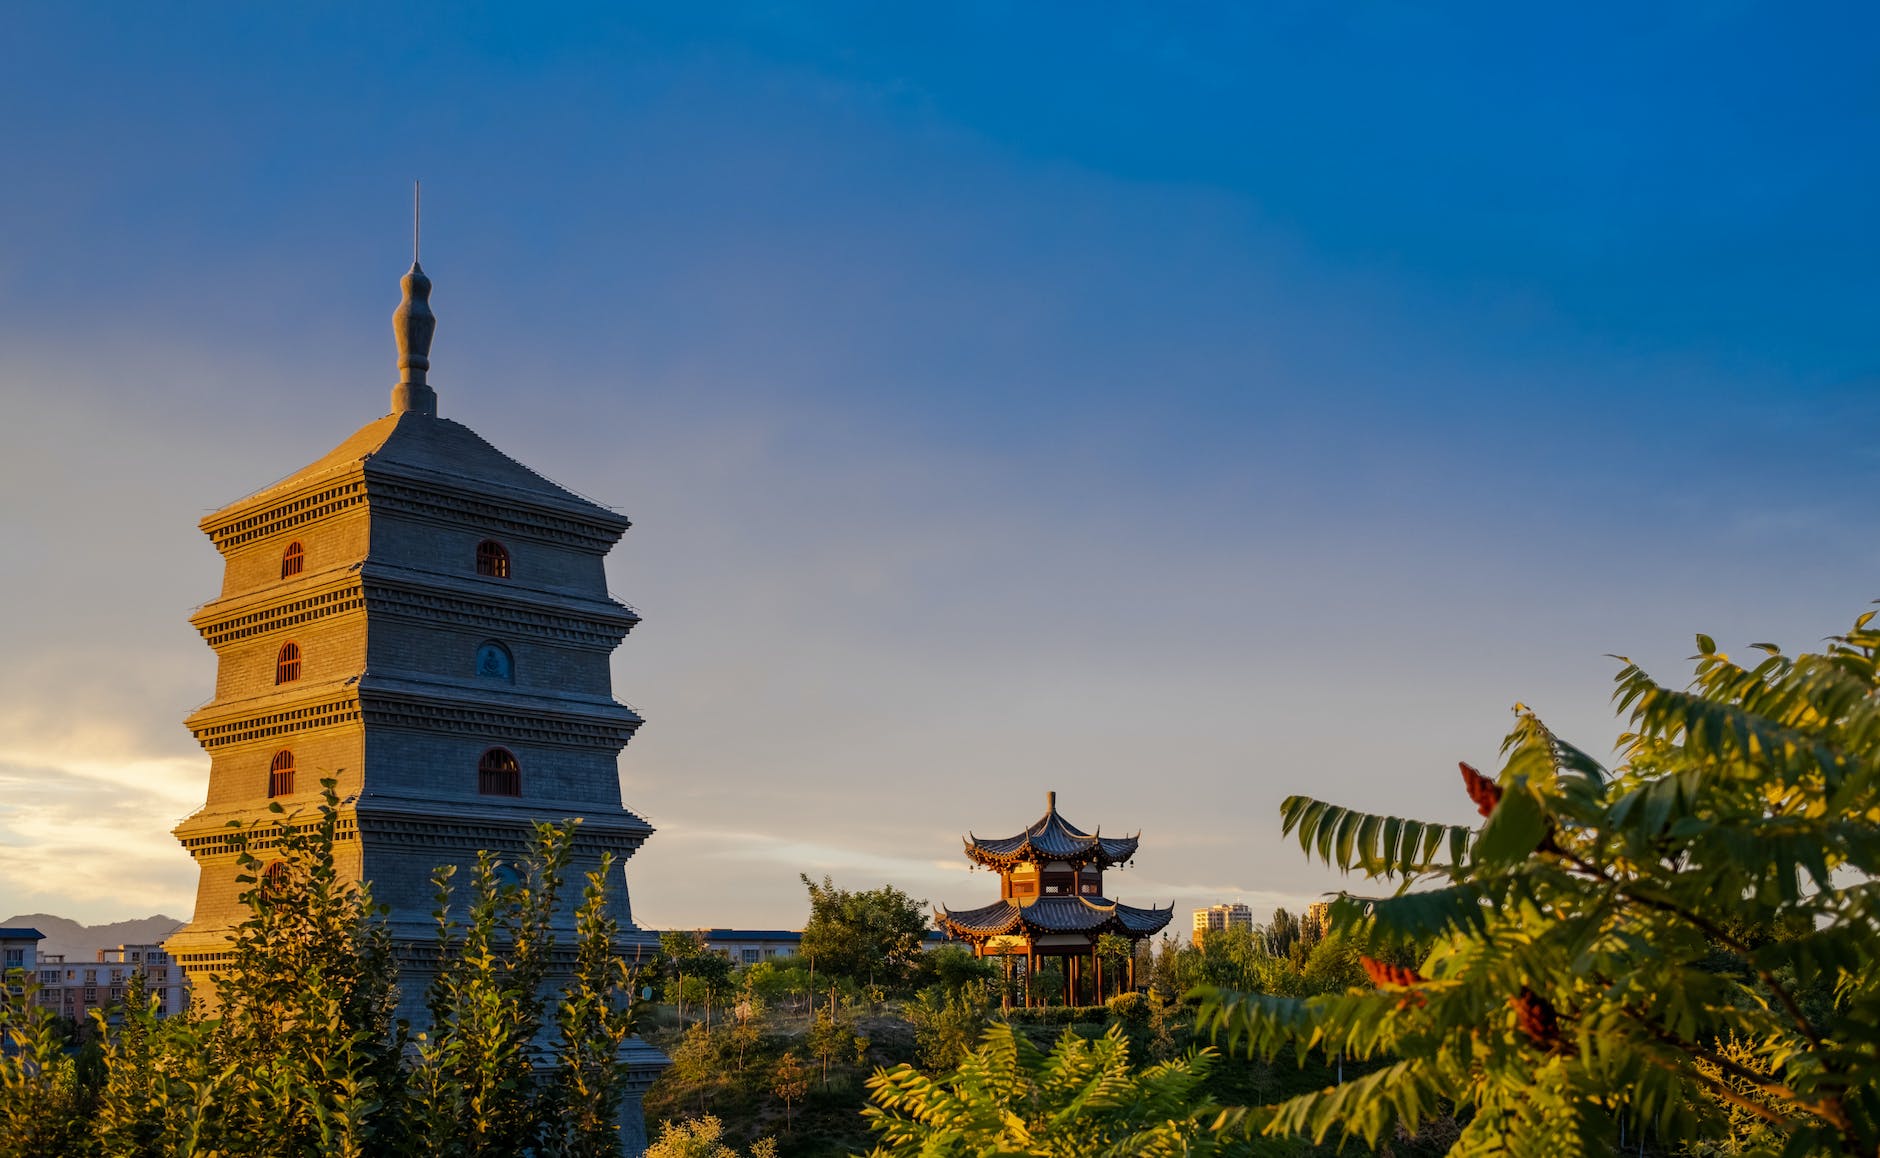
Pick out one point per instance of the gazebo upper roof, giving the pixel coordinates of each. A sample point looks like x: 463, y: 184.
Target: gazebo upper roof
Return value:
x: 1052, y: 838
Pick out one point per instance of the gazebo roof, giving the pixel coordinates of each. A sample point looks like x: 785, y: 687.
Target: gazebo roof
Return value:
x: 1053, y: 915
x: 1052, y: 838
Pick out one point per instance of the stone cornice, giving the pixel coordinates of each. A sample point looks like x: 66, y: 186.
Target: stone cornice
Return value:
x: 222, y: 724
x: 418, y: 705
x: 567, y: 727
x: 272, y: 513
x: 427, y: 495
x: 424, y: 822
x: 512, y: 518
x: 478, y: 606
x: 334, y: 591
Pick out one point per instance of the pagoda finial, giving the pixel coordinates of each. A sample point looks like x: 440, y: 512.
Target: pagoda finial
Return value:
x: 1050, y: 802
x: 412, y: 326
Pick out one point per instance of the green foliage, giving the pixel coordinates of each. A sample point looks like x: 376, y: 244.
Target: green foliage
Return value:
x: 789, y: 1081
x: 946, y: 1025
x: 1082, y: 1100
x: 486, y: 1004
x: 868, y: 937
x: 304, y: 1049
x: 832, y: 1038
x: 1688, y: 945
x: 697, y: 975
x: 594, y: 1018
x: 45, y: 1106
x: 952, y: 968
x: 703, y: 1138
x: 304, y: 1059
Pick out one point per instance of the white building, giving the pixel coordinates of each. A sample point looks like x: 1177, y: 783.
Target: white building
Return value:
x: 75, y: 988
x: 1229, y: 916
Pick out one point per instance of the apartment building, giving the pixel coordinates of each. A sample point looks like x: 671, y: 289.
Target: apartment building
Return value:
x: 75, y: 988
x: 1215, y: 917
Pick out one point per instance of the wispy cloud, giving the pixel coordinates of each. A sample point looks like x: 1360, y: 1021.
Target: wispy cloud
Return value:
x: 90, y: 837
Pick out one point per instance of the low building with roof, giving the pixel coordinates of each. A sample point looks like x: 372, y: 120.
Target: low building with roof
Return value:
x: 1052, y: 903
x: 750, y: 946
x: 19, y: 950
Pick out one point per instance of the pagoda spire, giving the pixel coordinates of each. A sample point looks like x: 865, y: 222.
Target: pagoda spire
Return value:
x: 413, y: 323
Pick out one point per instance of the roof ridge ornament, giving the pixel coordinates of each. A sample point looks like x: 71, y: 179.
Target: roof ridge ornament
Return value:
x: 413, y: 325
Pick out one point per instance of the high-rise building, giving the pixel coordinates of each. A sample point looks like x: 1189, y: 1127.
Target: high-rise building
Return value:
x: 1318, y: 918
x: 1215, y: 917
x: 426, y: 621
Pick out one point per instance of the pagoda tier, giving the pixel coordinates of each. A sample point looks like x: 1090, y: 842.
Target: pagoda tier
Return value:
x: 1052, y: 838
x: 1048, y: 915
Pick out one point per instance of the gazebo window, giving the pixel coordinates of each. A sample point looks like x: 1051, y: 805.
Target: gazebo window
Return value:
x: 498, y: 774
x: 281, y: 774
x: 293, y: 559
x: 287, y: 664
x: 492, y: 559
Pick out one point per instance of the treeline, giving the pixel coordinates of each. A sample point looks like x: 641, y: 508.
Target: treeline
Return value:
x: 304, y: 1057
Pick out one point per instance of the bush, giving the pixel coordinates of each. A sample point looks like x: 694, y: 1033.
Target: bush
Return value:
x: 1058, y: 1015
x: 1131, y: 1009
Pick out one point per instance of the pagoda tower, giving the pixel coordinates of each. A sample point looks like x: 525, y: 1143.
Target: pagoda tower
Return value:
x: 427, y: 621
x: 1052, y: 904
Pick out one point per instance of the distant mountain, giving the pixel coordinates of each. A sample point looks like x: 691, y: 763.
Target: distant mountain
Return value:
x: 82, y: 942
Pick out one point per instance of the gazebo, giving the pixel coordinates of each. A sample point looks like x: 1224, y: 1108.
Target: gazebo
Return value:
x: 1052, y: 904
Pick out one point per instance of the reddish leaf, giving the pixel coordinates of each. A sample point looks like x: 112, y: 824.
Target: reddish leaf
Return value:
x: 1485, y: 793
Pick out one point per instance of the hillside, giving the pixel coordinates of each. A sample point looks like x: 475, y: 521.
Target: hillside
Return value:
x: 82, y: 942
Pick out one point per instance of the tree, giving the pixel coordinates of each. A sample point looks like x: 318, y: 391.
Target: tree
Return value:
x: 594, y: 1018
x: 45, y: 1105
x: 1114, y: 951
x: 474, y: 1067
x: 831, y: 1037
x: 953, y: 967
x: 863, y: 936
x: 682, y: 949
x: 790, y: 1081
x: 946, y: 1026
x: 1083, y: 1098
x: 1688, y: 944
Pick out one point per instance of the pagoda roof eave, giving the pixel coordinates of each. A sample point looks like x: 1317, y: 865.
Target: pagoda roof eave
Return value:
x: 1056, y: 914
x: 1051, y: 838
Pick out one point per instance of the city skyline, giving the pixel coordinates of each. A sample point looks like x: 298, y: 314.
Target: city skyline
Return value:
x: 1177, y: 417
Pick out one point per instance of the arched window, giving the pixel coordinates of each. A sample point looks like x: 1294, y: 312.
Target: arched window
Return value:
x: 498, y: 774
x: 281, y: 774
x: 494, y: 662
x: 492, y: 559
x: 274, y: 876
x: 293, y: 559
x: 287, y: 664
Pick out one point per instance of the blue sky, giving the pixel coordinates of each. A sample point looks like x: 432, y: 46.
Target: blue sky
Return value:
x: 1177, y: 407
